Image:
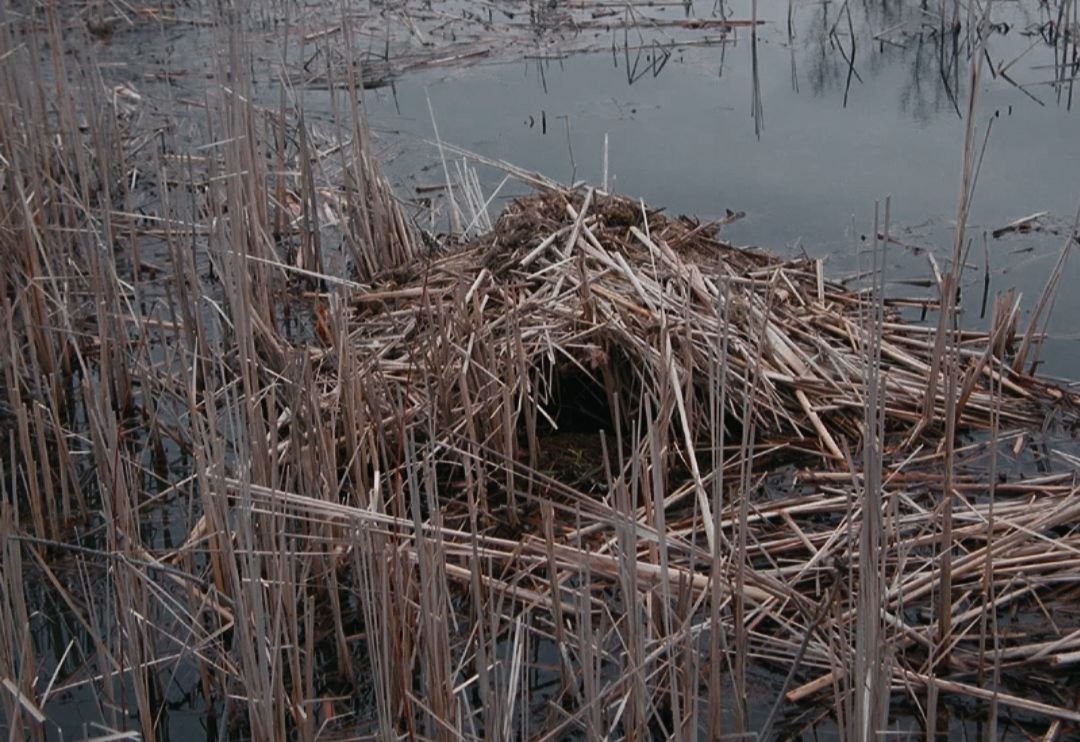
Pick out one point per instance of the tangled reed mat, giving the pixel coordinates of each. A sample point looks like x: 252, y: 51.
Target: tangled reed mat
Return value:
x: 667, y: 454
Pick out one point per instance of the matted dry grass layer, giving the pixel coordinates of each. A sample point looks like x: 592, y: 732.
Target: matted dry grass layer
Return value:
x: 462, y: 366
x: 635, y: 300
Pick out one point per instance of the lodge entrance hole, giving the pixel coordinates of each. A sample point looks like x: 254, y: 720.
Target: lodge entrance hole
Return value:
x: 576, y: 402
x: 573, y: 409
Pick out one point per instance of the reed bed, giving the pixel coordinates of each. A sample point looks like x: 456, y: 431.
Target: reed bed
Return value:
x: 584, y: 469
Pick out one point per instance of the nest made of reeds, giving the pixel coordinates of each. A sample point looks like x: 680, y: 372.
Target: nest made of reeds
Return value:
x: 654, y: 310
x: 698, y: 370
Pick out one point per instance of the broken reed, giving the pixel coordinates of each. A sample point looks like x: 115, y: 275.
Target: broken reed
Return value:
x: 358, y: 504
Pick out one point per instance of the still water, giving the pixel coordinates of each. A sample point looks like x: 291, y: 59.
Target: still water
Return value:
x: 824, y: 146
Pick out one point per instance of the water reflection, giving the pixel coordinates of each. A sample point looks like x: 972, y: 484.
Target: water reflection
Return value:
x: 859, y: 41
x: 757, y: 108
x: 839, y: 48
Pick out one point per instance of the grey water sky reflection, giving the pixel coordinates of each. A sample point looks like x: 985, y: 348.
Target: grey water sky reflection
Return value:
x: 830, y: 139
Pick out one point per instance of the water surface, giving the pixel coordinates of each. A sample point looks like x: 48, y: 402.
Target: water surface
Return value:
x: 823, y: 148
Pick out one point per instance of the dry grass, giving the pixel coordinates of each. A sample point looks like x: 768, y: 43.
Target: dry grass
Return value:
x: 585, y: 472
x: 466, y: 360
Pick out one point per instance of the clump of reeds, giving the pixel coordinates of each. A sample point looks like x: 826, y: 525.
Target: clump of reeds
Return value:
x: 444, y: 379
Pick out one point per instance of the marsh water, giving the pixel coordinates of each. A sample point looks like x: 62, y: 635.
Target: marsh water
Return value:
x: 829, y: 139
x: 802, y: 125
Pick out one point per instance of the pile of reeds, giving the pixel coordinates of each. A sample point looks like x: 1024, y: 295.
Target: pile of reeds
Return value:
x: 653, y: 309
x: 889, y: 554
